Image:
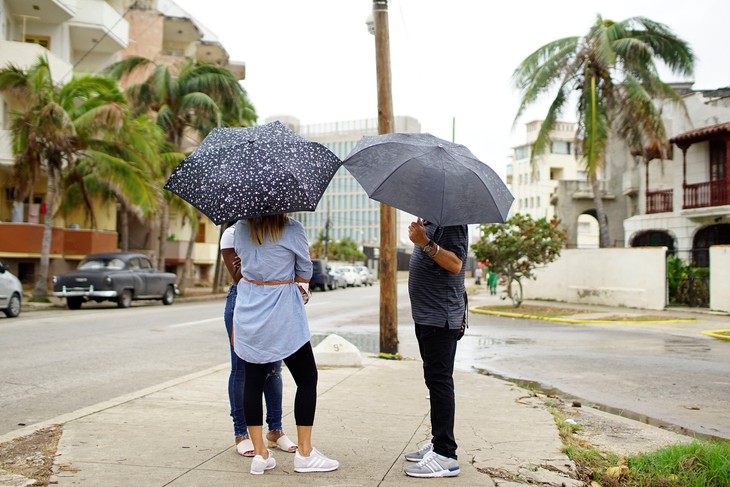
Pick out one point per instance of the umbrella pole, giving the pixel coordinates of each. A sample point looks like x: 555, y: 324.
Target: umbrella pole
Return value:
x: 388, y: 254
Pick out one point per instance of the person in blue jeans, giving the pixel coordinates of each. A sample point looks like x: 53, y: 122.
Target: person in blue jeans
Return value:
x: 236, y: 379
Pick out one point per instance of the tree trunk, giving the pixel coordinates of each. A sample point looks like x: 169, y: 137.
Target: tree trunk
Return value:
x: 41, y: 287
x: 604, y: 239
x: 187, y: 277
x: 87, y: 200
x: 164, y: 223
x: 123, y: 227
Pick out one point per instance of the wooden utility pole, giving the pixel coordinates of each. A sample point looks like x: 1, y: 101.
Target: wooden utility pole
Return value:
x: 388, y: 253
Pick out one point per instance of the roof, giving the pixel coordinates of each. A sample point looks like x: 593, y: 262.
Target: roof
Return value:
x: 698, y: 135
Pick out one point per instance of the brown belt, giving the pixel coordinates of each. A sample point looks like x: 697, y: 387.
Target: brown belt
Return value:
x: 267, y: 283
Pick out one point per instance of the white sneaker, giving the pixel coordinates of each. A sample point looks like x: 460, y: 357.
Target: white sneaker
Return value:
x: 434, y: 465
x: 315, y: 462
x: 259, y: 464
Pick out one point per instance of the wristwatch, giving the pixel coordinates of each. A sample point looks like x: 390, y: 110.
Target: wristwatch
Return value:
x: 428, y: 248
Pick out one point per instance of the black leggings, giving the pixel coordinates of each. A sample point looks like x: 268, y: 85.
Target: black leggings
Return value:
x: 304, y: 371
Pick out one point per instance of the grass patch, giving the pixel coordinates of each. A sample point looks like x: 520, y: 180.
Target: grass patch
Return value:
x: 574, y: 313
x: 698, y: 464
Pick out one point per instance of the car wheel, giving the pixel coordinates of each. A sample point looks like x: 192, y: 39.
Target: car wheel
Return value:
x: 323, y: 287
x: 169, y: 297
x: 13, y: 309
x: 125, y: 299
x: 74, y: 303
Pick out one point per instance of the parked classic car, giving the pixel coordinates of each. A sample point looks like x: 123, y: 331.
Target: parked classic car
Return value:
x: 11, y: 292
x: 116, y: 276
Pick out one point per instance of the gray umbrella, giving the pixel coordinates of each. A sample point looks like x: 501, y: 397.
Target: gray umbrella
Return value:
x: 439, y: 181
x: 238, y: 173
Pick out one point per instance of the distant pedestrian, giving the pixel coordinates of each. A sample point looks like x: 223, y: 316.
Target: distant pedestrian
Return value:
x: 436, y: 290
x: 492, y: 278
x: 478, y: 276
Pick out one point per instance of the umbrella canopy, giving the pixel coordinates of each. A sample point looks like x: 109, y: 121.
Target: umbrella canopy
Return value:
x: 238, y: 173
x: 439, y: 181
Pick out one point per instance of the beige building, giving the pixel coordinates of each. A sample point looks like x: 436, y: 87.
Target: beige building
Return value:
x: 86, y: 36
x: 535, y: 183
x: 345, y: 204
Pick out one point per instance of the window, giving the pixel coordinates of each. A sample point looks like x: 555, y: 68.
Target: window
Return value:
x: 717, y: 160
x: 44, y: 41
x: 522, y: 152
x: 560, y: 147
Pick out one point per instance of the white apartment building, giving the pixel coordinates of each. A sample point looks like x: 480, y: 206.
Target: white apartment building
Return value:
x: 75, y: 35
x: 533, y: 184
x: 351, y: 213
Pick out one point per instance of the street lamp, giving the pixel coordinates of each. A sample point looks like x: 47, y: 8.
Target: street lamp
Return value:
x: 388, y: 268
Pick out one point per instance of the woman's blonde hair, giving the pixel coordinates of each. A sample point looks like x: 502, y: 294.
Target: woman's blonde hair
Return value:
x: 271, y: 226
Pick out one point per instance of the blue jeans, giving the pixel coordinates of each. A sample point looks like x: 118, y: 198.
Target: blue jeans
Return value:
x: 438, y: 351
x: 272, y: 386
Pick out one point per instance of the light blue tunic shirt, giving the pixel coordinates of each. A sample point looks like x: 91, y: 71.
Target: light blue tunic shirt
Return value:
x: 269, y: 322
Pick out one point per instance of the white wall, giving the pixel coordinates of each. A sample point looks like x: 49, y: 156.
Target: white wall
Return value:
x: 720, y: 277
x: 630, y: 277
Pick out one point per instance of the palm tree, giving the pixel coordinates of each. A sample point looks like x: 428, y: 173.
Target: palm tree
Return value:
x: 613, y: 71
x: 51, y: 126
x: 187, y: 103
x: 122, y: 168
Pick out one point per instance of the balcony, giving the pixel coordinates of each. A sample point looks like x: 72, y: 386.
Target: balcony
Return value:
x: 49, y: 11
x: 707, y: 194
x: 24, y: 55
x: 25, y: 240
x: 630, y: 183
x: 203, y: 252
x: 97, y: 25
x: 659, y: 201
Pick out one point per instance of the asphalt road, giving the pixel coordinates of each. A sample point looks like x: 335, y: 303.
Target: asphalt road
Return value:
x: 54, y: 362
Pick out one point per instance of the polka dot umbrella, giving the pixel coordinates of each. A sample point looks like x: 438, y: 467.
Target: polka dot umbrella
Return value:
x: 238, y: 173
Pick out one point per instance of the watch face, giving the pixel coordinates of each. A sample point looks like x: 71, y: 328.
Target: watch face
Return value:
x: 428, y: 249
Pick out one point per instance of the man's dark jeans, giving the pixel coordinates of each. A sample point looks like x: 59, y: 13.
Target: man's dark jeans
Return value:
x: 438, y: 351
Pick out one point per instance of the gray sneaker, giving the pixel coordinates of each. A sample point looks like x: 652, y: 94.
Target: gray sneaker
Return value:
x: 417, y: 456
x: 434, y: 465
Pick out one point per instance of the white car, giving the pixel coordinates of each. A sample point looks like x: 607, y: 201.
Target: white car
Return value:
x: 11, y: 292
x: 366, y: 274
x: 352, y: 276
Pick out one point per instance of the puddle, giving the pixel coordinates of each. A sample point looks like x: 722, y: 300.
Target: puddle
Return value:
x: 536, y: 386
x: 685, y: 345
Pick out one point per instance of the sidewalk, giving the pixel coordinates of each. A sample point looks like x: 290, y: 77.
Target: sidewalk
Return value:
x: 179, y: 433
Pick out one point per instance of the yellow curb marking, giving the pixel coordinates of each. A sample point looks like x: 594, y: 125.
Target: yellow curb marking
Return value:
x: 719, y: 334
x: 569, y: 321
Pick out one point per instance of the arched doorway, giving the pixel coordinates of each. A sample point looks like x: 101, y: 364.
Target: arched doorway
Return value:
x: 654, y: 238
x: 587, y: 230
x: 707, y: 237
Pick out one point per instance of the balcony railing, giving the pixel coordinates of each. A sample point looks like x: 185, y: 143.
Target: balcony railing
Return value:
x: 26, y: 238
x: 709, y: 193
x: 659, y: 201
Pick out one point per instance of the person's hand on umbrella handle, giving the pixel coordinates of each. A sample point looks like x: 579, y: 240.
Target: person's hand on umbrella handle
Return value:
x: 417, y: 233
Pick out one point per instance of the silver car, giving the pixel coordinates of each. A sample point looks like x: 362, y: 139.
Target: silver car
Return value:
x: 11, y: 292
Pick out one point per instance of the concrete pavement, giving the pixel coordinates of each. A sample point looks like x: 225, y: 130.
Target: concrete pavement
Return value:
x: 367, y: 417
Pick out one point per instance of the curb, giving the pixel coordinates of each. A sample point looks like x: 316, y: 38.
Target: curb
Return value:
x: 95, y: 408
x: 570, y: 321
x: 719, y: 334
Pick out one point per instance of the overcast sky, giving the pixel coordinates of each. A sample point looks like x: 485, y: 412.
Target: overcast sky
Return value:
x: 315, y: 60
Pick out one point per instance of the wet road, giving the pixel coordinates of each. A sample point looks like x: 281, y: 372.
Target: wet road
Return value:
x: 652, y: 372
x: 54, y: 362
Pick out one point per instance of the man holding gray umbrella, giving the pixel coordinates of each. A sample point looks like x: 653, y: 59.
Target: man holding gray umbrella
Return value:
x: 436, y: 290
x: 448, y: 187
